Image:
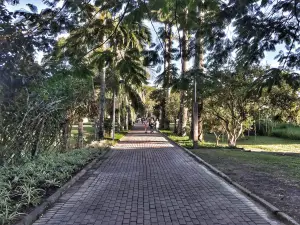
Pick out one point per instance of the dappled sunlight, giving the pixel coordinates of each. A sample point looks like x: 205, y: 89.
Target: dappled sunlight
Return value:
x: 291, y: 148
x: 260, y: 143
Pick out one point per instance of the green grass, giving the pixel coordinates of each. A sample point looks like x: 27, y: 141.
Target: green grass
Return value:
x: 24, y: 186
x: 259, y: 143
x: 88, y: 133
x: 274, y: 177
x: 118, y: 137
x: 288, y: 166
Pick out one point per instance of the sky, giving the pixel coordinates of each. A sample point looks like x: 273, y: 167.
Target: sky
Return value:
x: 269, y: 56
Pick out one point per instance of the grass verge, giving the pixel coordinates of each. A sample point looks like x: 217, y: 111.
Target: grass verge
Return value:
x: 276, y: 178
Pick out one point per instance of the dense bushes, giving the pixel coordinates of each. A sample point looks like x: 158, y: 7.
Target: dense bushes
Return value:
x: 281, y: 130
x: 287, y: 131
x: 23, y: 186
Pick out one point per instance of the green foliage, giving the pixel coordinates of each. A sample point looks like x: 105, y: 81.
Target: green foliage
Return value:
x: 286, y: 131
x: 172, y: 106
x: 23, y: 186
x: 107, y: 125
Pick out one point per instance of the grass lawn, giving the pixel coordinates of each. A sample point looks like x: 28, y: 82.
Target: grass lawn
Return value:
x: 274, y: 177
x: 259, y: 143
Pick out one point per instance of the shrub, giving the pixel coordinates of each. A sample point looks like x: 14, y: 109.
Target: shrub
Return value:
x: 287, y: 131
x: 23, y: 186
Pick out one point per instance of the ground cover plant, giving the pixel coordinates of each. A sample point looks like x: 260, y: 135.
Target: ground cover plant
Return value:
x: 25, y: 185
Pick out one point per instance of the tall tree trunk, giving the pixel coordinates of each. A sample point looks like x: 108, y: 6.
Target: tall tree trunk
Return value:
x: 65, y: 136
x: 114, y: 116
x: 80, y: 134
x: 130, y: 121
x: 183, y: 109
x: 102, y: 106
x: 126, y: 114
x: 38, y: 136
x: 168, y: 73
x: 119, y: 116
x: 199, y: 56
x: 164, y: 104
x: 198, y: 65
x: 175, y: 126
x: 200, y: 120
x: 160, y: 117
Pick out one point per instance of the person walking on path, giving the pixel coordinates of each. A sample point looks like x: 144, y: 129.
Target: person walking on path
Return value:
x: 145, y: 125
x: 151, y: 124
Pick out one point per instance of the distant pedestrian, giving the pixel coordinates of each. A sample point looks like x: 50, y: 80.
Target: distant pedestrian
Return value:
x: 156, y: 124
x: 145, y: 126
x: 151, y: 125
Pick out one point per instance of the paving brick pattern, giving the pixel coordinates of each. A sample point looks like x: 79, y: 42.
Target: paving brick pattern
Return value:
x: 146, y: 180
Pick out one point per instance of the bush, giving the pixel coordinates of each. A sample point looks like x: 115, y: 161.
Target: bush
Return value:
x: 24, y: 186
x: 287, y: 131
x: 107, y: 125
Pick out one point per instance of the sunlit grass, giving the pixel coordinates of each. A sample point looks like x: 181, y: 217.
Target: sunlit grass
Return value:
x: 89, y: 132
x: 288, y: 166
x: 259, y: 143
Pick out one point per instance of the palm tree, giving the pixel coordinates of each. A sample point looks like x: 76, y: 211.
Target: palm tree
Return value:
x: 183, y: 112
x: 125, y: 40
x: 162, y: 11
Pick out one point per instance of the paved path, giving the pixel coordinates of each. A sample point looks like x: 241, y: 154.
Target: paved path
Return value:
x: 146, y: 180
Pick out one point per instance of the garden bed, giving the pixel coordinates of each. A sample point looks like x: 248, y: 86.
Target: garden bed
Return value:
x: 22, y: 187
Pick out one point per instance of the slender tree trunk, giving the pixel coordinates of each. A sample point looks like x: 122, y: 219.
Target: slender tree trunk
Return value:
x: 183, y: 109
x: 164, y: 104
x: 160, y: 117
x: 102, y: 105
x: 175, y: 125
x: 130, y: 121
x: 126, y: 114
x: 65, y: 145
x: 119, y: 116
x: 200, y: 120
x: 168, y: 73
x: 80, y: 134
x: 114, y: 116
x: 217, y: 138
x: 198, y: 65
x: 38, y: 136
x: 192, y: 124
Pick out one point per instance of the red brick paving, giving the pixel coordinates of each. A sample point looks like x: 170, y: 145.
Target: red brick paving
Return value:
x: 147, y: 180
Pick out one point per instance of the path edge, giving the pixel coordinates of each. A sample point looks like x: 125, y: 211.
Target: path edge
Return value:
x: 270, y: 207
x: 39, y: 210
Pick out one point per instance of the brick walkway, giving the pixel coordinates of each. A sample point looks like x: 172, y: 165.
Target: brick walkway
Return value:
x: 146, y: 180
